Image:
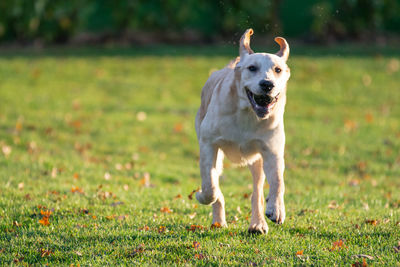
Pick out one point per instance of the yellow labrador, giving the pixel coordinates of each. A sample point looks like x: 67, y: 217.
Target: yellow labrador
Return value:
x: 241, y: 117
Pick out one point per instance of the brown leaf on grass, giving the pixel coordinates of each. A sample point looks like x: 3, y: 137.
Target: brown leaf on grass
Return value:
x: 76, y: 189
x: 190, y: 196
x: 145, y: 181
x: 122, y: 217
x: 372, y: 222
x: 360, y: 264
x: 194, y: 227
x: 246, y: 195
x: 369, y: 117
x: 44, y: 221
x: 110, y: 217
x: 21, y: 186
x: 45, y: 213
x: 333, y: 205
x: 162, y: 229
x: 199, y: 256
x: 166, y: 210
x: 397, y: 248
x: 17, y: 224
x: 178, y: 127
x: 338, y: 245
x: 354, y: 182
x: 138, y: 250
x: 78, y: 253
x: 216, y: 225
x: 196, y: 245
x: 114, y: 204
x: 363, y: 256
x: 350, y: 125
x: 178, y: 196
x: 18, y: 258
x: 144, y: 228
x: 6, y: 150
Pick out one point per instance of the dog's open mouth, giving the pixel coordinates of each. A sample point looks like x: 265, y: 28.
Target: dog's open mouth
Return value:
x: 262, y: 104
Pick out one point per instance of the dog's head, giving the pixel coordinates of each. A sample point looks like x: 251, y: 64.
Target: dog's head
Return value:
x: 263, y: 76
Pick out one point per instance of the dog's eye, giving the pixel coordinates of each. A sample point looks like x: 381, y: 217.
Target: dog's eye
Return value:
x: 278, y: 70
x: 252, y: 68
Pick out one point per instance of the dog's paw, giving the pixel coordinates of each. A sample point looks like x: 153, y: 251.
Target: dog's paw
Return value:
x: 276, y: 210
x: 258, y: 228
x: 206, y: 197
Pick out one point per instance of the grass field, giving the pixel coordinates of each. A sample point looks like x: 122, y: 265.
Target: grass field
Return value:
x: 99, y: 154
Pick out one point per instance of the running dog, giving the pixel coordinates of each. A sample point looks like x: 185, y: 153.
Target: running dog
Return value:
x: 241, y: 117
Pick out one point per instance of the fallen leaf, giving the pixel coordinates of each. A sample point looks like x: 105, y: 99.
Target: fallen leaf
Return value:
x: 178, y: 196
x: 371, y: 222
x: 350, y: 125
x: 54, y: 172
x: 78, y: 253
x: 333, y: 205
x: 363, y: 256
x: 216, y: 225
x: 6, y: 150
x: 397, y: 248
x: 107, y: 176
x: 194, y: 227
x: 44, y: 221
x: 369, y: 117
x: 144, y: 228
x: 76, y: 189
x: 196, y: 245
x: 178, y: 127
x: 299, y: 253
x: 162, y: 229
x: 338, y: 245
x: 141, y: 116
x: 17, y: 224
x: 45, y: 213
x: 166, y: 210
x: 145, y: 181
x: 190, y: 196
x: 21, y: 186
x: 199, y: 256
x: 116, y: 203
x: 360, y: 264
x: 137, y: 250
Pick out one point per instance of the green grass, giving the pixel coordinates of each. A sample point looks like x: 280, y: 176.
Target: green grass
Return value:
x: 71, y: 116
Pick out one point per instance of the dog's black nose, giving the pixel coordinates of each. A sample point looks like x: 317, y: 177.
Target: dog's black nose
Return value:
x: 266, y: 85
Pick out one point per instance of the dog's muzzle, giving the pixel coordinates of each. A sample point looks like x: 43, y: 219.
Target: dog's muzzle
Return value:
x: 262, y: 104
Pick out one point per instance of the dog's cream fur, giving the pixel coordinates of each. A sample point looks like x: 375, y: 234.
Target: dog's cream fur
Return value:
x: 228, y: 125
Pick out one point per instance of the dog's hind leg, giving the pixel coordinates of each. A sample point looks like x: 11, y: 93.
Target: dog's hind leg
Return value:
x: 258, y: 223
x: 211, y: 163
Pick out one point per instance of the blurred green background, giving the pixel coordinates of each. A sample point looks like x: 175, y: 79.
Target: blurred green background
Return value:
x: 192, y: 21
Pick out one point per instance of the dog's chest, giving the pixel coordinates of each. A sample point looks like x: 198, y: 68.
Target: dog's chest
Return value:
x: 240, y: 153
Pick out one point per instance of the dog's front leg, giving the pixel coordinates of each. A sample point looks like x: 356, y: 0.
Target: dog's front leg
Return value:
x: 258, y: 223
x: 211, y: 160
x: 273, y: 167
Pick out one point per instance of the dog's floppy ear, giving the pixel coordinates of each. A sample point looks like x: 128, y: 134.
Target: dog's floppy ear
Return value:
x: 284, y: 51
x: 245, y: 44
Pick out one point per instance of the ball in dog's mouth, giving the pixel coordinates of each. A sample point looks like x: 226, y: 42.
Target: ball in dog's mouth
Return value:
x: 262, y: 104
